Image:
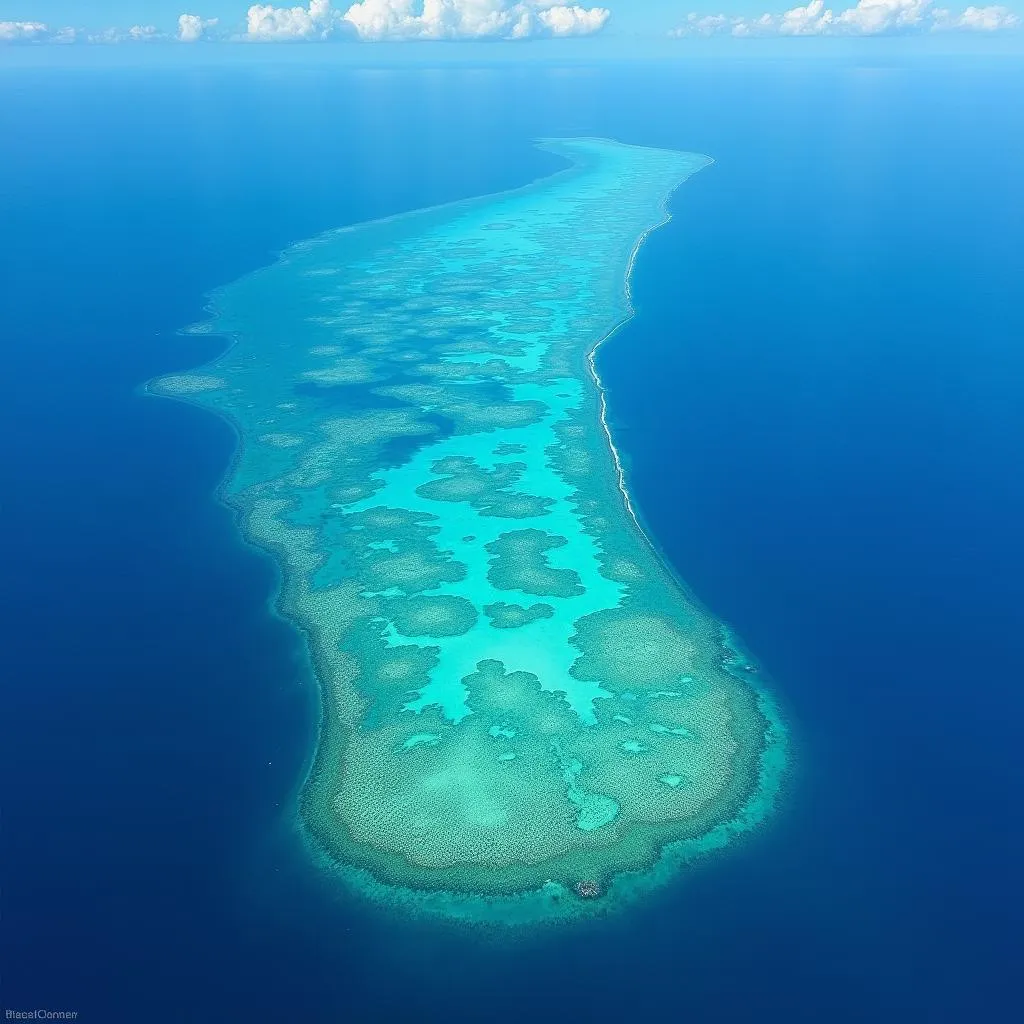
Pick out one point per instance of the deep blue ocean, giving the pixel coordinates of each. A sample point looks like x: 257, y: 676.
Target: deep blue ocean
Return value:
x: 821, y: 401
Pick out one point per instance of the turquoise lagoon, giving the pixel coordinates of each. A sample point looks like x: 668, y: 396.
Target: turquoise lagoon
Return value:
x: 522, y: 706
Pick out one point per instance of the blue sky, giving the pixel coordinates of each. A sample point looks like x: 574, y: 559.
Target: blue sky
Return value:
x: 132, y: 21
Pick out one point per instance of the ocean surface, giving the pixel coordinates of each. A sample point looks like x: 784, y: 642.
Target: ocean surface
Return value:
x: 821, y: 407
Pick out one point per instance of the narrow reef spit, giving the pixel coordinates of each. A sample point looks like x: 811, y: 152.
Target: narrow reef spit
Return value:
x: 525, y: 714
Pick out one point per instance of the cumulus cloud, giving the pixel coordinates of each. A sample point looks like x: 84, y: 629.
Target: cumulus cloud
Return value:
x: 370, y: 20
x: 867, y: 18
x: 472, y: 19
x: 192, y: 28
x: 575, y: 20
x: 875, y: 17
x: 995, y: 18
x: 266, y: 23
x: 37, y: 32
x: 23, y: 31
x: 135, y: 34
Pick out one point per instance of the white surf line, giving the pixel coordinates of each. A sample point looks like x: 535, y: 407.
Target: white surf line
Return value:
x: 592, y: 355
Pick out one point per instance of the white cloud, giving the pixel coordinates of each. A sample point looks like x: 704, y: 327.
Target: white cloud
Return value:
x: 703, y: 25
x: 472, y: 19
x: 37, y: 32
x: 192, y: 28
x: 867, y: 18
x: 319, y: 20
x: 135, y: 34
x: 977, y: 19
x: 875, y: 17
x: 812, y: 20
x: 363, y: 19
x: 575, y: 20
x: 23, y: 31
